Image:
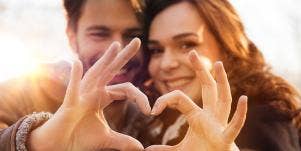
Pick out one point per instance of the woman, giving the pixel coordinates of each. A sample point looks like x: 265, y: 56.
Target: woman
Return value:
x: 213, y: 29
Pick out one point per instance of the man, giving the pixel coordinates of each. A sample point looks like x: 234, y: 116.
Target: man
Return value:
x: 92, y: 26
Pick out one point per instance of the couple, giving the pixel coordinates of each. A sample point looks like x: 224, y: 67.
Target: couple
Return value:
x: 182, y: 40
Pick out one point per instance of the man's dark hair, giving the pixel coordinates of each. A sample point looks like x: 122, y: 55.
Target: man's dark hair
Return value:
x: 73, y: 10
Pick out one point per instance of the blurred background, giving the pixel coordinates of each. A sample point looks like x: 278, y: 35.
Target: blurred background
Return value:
x: 33, y: 31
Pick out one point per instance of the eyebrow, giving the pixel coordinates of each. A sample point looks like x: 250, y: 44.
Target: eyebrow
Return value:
x: 183, y: 35
x: 105, y: 28
x: 98, y: 27
x: 177, y: 37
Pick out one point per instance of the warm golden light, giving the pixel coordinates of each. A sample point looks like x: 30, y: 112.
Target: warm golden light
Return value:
x: 15, y: 58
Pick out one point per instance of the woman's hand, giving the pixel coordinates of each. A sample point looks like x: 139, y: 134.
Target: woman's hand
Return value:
x: 79, y: 124
x: 209, y: 129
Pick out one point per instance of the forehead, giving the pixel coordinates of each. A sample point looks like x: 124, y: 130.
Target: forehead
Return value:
x: 111, y: 13
x: 176, y: 19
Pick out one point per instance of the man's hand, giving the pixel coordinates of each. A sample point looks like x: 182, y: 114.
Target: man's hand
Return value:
x: 209, y: 129
x: 79, y: 124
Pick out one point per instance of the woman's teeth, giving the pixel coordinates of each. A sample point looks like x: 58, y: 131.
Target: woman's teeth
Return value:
x: 177, y: 83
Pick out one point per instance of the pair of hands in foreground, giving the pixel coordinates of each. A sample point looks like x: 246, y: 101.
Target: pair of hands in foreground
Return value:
x: 80, y: 125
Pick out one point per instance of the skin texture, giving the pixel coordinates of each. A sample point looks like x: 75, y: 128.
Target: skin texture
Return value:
x: 183, y: 52
x: 173, y: 33
x: 101, y: 23
x: 209, y: 128
x: 79, y: 123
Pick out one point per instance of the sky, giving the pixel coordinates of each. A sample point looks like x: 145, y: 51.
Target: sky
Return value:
x: 33, y: 31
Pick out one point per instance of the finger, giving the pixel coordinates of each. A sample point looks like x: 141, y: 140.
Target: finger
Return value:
x: 121, y: 59
x: 124, y: 142
x: 224, y: 93
x: 238, y: 120
x: 176, y: 100
x: 127, y: 91
x: 209, y: 89
x: 160, y: 148
x: 74, y: 83
x: 95, y: 72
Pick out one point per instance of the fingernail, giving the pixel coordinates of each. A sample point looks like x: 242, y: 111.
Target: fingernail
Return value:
x: 244, y: 98
x: 136, y: 39
x: 219, y: 63
x: 192, y: 55
x: 115, y: 44
x: 192, y: 52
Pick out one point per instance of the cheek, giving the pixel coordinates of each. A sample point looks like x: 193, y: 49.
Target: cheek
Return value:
x: 90, y: 49
x: 212, y: 50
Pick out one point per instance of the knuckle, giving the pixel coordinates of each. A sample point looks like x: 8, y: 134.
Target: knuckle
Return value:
x: 129, y: 84
x: 178, y: 93
x: 213, y: 83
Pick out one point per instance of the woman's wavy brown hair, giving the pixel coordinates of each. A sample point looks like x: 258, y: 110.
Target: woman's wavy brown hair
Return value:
x: 246, y: 68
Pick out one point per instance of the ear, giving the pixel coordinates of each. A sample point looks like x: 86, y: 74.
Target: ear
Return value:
x: 71, y: 33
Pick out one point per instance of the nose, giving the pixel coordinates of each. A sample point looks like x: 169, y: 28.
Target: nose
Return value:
x: 169, y: 61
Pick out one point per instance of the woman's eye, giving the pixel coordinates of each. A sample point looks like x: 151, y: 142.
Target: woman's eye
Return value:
x: 155, y: 50
x: 188, y: 45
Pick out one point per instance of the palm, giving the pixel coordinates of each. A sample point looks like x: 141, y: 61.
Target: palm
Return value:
x: 79, y: 124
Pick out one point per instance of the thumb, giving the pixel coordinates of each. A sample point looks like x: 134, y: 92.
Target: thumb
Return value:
x: 124, y: 142
x: 160, y: 148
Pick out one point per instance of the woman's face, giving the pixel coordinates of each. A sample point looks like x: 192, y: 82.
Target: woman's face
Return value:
x: 173, y: 33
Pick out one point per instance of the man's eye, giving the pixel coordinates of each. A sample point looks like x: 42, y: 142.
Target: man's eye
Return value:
x: 100, y: 34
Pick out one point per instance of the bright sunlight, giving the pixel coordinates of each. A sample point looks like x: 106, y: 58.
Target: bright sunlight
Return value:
x: 15, y: 59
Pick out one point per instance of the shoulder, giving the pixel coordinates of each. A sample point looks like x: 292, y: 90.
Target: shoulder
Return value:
x: 268, y: 129
x: 45, y: 74
x: 34, y: 91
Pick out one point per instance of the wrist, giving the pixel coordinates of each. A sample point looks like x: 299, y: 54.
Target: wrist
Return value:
x: 23, y: 135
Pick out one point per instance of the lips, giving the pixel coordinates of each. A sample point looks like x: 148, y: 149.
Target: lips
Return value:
x: 177, y: 83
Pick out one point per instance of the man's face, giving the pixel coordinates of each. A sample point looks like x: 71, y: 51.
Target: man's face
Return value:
x: 101, y: 23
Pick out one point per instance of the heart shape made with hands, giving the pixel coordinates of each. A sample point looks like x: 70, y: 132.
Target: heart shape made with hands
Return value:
x: 208, y: 126
x: 80, y: 124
